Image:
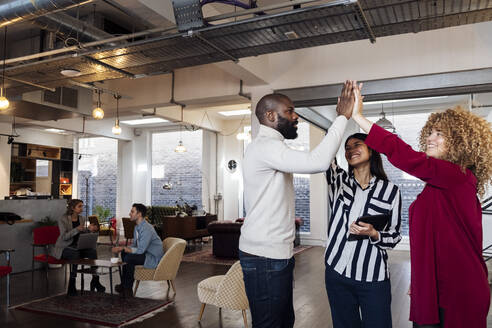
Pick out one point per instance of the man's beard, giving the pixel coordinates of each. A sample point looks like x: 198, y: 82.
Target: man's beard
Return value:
x: 287, y: 128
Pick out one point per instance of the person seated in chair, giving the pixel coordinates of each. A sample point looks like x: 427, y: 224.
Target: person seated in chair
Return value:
x: 146, y: 250
x: 71, y: 225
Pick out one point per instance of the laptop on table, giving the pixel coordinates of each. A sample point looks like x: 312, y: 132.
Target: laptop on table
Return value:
x: 87, y: 240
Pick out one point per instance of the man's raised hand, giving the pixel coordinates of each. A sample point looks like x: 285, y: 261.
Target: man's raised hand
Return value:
x: 346, y: 100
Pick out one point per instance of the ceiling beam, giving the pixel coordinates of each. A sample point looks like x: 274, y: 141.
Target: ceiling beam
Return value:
x: 420, y: 86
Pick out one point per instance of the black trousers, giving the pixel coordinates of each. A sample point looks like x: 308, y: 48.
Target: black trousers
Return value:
x: 70, y: 253
x: 358, y: 304
x: 439, y: 325
x: 129, y: 268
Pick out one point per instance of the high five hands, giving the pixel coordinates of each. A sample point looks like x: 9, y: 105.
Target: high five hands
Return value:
x: 358, y: 103
x: 350, y: 99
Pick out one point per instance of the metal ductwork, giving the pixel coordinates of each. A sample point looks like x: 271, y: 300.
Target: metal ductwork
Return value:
x: 69, y: 26
x: 18, y: 10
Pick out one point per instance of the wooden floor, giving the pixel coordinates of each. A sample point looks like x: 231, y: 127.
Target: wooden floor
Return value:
x: 310, y: 301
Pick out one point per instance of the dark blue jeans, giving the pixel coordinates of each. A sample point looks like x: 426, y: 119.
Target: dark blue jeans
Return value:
x: 348, y: 296
x: 129, y: 268
x: 268, y: 285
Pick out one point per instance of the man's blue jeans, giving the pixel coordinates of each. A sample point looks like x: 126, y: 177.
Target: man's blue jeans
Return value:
x: 268, y: 285
x: 131, y: 261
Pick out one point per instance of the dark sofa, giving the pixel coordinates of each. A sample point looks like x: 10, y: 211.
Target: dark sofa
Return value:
x: 225, y: 236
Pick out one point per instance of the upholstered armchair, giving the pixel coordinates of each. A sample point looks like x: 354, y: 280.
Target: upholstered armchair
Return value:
x: 167, y: 267
x: 225, y: 291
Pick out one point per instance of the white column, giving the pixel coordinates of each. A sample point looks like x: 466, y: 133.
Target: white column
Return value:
x: 75, y: 172
x: 134, y: 173
x: 5, y: 155
x: 209, y: 170
x: 256, y: 94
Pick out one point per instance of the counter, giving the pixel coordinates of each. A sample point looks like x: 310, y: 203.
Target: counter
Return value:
x: 19, y: 235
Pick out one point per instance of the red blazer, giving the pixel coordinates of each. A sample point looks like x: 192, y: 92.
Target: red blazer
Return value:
x: 448, y: 270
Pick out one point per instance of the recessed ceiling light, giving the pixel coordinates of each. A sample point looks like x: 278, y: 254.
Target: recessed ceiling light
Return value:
x: 55, y: 130
x: 143, y: 121
x: 236, y: 112
x: 70, y: 72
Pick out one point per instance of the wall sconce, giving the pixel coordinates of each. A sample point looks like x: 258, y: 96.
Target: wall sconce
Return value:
x: 232, y: 165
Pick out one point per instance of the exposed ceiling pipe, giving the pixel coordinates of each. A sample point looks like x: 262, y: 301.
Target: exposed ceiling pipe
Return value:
x: 69, y: 26
x: 30, y: 83
x: 93, y: 87
x: 166, y: 29
x: 173, y: 101
x: 19, y: 10
x: 89, y: 45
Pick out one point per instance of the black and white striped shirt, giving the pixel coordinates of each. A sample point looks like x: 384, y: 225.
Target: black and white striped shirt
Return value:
x: 366, y: 259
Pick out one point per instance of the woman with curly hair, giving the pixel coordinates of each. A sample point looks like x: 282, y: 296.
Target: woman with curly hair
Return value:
x: 449, y: 286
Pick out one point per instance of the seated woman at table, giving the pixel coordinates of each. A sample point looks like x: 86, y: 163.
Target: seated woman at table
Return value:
x: 71, y: 225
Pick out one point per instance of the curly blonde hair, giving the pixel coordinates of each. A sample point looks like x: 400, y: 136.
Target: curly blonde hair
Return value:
x: 468, y: 142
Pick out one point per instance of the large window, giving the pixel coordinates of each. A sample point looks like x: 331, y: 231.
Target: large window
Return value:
x: 408, y: 128
x: 97, y: 173
x: 177, y: 177
x: 301, y: 181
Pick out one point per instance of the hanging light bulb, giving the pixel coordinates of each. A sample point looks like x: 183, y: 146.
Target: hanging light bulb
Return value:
x: 98, y: 112
x: 384, y: 122
x: 4, y: 102
x: 116, y: 128
x: 180, y: 148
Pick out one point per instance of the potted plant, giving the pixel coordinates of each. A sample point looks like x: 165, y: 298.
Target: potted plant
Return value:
x: 47, y: 221
x: 103, y: 216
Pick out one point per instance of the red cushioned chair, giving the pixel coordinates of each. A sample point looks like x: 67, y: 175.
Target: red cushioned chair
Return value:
x: 43, y: 237
x: 5, y: 271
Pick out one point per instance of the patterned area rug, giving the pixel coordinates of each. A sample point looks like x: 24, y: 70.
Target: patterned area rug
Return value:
x: 97, y: 308
x: 206, y: 256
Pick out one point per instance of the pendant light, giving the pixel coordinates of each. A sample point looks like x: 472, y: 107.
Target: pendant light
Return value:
x: 98, y: 112
x: 116, y: 128
x: 384, y: 122
x: 4, y: 102
x: 180, y: 148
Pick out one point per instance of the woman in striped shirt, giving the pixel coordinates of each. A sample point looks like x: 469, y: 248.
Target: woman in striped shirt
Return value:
x: 357, y: 276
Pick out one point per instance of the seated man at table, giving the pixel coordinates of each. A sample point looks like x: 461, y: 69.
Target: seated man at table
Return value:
x: 146, y: 249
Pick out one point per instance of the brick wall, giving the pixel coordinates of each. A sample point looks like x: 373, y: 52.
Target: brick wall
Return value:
x: 97, y: 173
x: 181, y: 170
